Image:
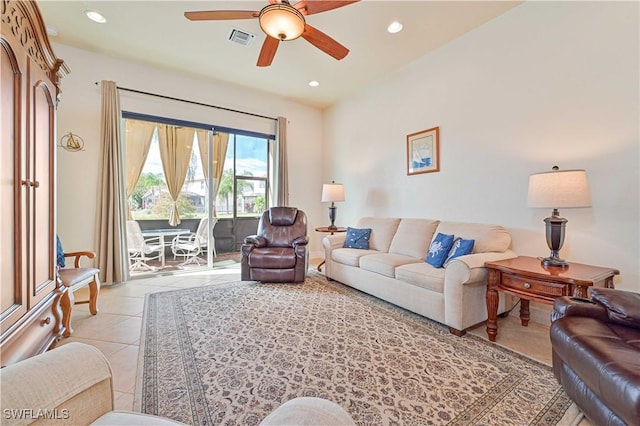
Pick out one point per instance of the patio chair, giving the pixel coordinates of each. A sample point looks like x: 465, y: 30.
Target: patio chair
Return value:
x: 142, y: 250
x: 191, y: 246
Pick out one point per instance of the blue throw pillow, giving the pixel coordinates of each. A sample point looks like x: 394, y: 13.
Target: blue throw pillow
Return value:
x: 59, y: 253
x: 439, y: 250
x: 460, y: 247
x: 357, y: 238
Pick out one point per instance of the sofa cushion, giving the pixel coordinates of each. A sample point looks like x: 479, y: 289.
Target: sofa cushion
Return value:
x: 382, y: 231
x: 357, y: 238
x: 413, y: 237
x: 439, y: 249
x: 423, y: 275
x: 385, y: 263
x: 488, y: 238
x: 459, y: 248
x: 350, y: 256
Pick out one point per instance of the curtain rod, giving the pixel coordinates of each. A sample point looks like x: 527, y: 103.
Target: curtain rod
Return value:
x: 191, y: 102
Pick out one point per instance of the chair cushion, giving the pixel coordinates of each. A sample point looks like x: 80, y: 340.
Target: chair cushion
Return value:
x: 272, y: 258
x: 74, y: 276
x: 623, y: 307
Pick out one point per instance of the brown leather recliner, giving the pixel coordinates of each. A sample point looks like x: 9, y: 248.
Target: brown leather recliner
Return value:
x: 596, y: 354
x: 278, y: 253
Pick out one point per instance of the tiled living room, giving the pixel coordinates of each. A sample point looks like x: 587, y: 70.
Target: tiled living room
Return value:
x: 451, y: 133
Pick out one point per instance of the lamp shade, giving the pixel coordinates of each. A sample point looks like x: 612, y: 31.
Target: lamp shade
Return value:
x: 332, y: 192
x: 559, y: 189
x: 281, y: 21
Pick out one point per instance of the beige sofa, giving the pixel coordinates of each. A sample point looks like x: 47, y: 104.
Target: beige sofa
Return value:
x: 73, y: 385
x: 394, y: 267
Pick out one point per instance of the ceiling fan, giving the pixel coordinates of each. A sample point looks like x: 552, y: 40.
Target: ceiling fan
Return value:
x: 282, y: 21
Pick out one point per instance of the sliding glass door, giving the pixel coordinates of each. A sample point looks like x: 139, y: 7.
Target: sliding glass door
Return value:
x: 180, y: 178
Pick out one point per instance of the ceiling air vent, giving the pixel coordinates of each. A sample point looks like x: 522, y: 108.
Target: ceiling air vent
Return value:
x: 241, y: 37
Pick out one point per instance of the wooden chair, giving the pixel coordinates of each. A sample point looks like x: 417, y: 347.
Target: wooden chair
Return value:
x: 75, y: 278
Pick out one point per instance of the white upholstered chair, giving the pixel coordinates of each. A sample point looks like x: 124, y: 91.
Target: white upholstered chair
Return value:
x: 142, y: 250
x: 191, y: 246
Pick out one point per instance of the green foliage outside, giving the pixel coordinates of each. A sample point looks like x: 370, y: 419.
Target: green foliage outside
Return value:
x: 260, y: 204
x: 145, y: 183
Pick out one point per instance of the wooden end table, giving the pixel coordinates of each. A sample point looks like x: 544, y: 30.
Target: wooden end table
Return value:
x: 326, y: 230
x: 526, y: 278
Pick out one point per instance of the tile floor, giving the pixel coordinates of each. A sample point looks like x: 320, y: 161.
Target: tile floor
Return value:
x: 116, y: 328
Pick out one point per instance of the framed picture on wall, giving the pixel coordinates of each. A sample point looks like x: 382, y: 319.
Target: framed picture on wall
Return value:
x: 423, y: 151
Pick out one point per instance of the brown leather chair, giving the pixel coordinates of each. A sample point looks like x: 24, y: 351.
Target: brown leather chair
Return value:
x: 278, y: 252
x: 596, y: 354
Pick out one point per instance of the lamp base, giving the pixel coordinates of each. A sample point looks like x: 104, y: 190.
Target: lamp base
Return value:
x: 332, y: 217
x: 554, y: 261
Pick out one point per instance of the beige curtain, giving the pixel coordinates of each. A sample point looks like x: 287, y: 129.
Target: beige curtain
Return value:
x: 220, y: 144
x: 111, y: 209
x: 175, y: 144
x: 138, y: 140
x: 282, y: 175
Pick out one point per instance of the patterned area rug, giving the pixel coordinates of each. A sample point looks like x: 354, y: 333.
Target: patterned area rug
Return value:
x: 231, y: 354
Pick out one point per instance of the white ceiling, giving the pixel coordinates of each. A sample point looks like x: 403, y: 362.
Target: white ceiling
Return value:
x: 158, y: 34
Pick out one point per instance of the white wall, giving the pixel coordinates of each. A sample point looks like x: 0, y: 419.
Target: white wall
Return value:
x: 79, y: 112
x: 547, y: 83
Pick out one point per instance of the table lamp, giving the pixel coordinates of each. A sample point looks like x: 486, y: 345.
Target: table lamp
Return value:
x: 332, y: 192
x: 558, y: 189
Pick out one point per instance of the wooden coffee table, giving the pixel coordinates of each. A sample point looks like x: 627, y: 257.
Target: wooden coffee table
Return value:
x: 526, y: 278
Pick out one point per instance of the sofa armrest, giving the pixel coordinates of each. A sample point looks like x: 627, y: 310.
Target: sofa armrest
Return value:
x: 300, y: 241
x: 256, y: 241
x: 477, y: 260
x: 570, y: 306
x: 332, y: 242
x: 75, y: 380
x: 623, y: 307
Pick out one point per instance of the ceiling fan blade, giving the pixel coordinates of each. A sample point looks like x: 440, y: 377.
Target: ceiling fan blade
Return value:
x: 324, y: 42
x: 268, y: 51
x: 309, y: 7
x: 220, y: 15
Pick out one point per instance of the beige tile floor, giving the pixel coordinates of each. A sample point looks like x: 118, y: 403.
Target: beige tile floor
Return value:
x: 116, y: 328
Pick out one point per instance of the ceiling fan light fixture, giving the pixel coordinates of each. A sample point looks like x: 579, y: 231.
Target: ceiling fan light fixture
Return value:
x: 281, y: 21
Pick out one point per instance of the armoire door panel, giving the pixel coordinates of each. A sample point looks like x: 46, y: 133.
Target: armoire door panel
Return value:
x: 41, y: 169
x: 13, y: 295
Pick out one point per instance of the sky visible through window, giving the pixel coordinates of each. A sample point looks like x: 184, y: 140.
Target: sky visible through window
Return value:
x: 250, y: 151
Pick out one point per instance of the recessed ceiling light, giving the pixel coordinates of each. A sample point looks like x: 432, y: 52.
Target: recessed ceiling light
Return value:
x: 95, y: 16
x: 394, y: 27
x: 314, y: 83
